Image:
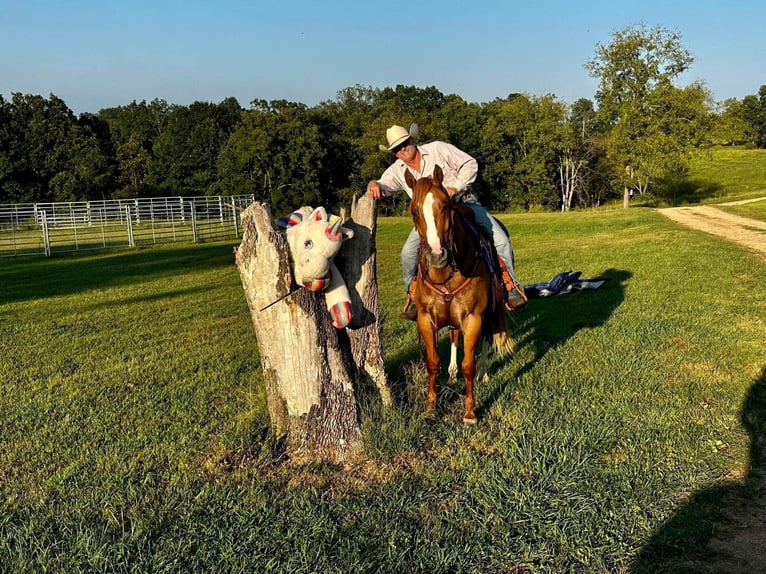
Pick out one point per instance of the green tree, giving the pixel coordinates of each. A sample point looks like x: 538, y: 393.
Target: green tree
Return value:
x: 521, y: 140
x: 637, y: 102
x: 754, y: 115
x: 136, y: 125
x: 275, y: 154
x: 343, y: 125
x: 134, y: 162
x: 579, y: 148
x: 47, y: 155
x: 729, y: 124
x: 186, y: 152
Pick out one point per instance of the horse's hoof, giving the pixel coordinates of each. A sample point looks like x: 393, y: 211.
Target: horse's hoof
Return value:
x: 469, y: 421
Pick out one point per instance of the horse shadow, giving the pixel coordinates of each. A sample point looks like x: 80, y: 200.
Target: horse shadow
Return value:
x: 720, y: 529
x: 540, y: 326
x: 544, y: 324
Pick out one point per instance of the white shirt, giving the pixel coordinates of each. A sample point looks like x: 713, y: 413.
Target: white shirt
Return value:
x: 459, y: 168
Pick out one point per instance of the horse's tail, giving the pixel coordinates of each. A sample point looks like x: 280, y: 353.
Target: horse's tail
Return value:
x: 502, y: 342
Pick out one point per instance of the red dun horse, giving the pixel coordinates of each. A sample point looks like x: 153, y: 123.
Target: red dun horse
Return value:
x: 454, y: 282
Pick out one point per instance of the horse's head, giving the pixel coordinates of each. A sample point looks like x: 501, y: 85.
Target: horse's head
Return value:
x: 430, y: 209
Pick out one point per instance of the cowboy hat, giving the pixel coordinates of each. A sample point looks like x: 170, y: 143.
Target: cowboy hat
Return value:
x: 397, y: 135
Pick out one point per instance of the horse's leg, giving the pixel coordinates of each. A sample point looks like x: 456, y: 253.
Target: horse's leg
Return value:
x: 429, y: 333
x: 454, y: 337
x: 471, y: 336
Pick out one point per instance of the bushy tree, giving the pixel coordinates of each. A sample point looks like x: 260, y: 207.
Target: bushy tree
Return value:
x: 579, y: 151
x: 650, y: 125
x: 754, y: 115
x: 134, y: 128
x: 186, y: 152
x: 520, y: 143
x: 275, y: 154
x: 729, y: 124
x: 46, y: 155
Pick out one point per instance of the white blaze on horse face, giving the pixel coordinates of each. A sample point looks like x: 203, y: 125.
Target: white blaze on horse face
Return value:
x: 432, y: 234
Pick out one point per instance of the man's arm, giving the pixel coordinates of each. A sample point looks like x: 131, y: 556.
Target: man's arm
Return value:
x: 465, y: 167
x: 388, y: 184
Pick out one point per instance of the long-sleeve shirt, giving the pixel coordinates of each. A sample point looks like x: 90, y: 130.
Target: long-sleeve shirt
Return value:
x: 459, y: 168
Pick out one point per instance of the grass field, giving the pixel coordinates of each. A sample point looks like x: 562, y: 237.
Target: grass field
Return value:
x: 727, y: 174
x: 754, y: 210
x: 134, y: 434
x: 30, y: 239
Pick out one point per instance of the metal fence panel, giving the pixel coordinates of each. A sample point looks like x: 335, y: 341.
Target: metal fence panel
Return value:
x: 49, y: 228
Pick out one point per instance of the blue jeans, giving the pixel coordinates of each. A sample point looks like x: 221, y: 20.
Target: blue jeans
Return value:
x: 490, y: 225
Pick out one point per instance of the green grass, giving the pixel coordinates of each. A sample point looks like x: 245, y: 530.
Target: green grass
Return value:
x: 134, y: 430
x: 754, y: 210
x: 727, y: 174
x: 29, y: 239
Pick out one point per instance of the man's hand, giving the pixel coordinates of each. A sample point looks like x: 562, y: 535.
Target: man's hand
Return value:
x: 373, y: 190
x: 451, y: 191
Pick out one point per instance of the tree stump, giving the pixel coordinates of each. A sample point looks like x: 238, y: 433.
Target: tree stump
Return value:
x: 360, y: 271
x: 310, y: 368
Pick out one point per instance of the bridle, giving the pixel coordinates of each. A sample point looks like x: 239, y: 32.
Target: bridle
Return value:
x: 442, y: 288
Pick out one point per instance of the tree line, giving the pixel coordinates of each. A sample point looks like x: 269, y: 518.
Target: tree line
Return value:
x: 636, y: 136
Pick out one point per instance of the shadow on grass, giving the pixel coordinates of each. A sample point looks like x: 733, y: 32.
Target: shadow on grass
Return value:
x: 687, y: 191
x: 544, y: 324
x: 720, y: 529
x: 38, y: 278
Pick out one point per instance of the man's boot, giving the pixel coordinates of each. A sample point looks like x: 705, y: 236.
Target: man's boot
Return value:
x: 515, y: 297
x: 410, y: 311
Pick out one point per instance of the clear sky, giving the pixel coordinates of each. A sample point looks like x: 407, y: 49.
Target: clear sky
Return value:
x: 101, y: 53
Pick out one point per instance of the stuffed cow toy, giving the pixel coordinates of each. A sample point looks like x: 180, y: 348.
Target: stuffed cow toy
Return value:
x: 314, y: 238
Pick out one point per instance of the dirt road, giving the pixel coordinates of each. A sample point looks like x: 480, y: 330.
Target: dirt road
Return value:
x: 749, y: 233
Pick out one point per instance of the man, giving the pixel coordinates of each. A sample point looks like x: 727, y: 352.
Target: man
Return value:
x: 460, y: 171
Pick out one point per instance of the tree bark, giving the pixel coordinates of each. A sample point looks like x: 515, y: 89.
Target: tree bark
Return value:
x: 309, y: 367
x: 359, y: 270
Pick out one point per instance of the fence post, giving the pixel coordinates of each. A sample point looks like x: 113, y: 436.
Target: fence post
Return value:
x: 46, y: 238
x: 129, y: 221
x: 235, y: 217
x: 193, y: 205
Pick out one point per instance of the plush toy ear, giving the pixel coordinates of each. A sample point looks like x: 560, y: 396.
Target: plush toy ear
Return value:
x: 319, y: 214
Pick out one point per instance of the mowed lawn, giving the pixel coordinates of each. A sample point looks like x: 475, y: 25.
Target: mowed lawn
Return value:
x: 134, y: 433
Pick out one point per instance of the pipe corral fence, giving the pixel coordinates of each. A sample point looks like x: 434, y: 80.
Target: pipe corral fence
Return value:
x: 50, y: 228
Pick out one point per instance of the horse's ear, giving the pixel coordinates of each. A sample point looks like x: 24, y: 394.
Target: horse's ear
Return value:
x: 438, y: 175
x: 410, y: 179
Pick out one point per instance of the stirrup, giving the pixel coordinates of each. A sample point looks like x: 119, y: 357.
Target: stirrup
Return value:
x: 410, y: 310
x: 515, y: 297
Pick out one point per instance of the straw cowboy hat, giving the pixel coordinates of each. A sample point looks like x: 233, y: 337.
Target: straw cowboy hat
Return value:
x: 397, y: 135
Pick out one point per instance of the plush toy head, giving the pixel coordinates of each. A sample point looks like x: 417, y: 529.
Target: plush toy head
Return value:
x: 314, y: 238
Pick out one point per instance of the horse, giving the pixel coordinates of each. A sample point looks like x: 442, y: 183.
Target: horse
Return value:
x: 454, y: 286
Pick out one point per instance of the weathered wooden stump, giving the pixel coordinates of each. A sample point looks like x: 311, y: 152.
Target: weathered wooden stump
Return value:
x: 312, y: 370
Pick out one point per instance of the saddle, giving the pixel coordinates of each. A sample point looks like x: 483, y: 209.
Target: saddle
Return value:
x: 497, y: 270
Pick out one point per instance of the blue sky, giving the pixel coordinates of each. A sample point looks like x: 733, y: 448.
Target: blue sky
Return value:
x: 98, y: 53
